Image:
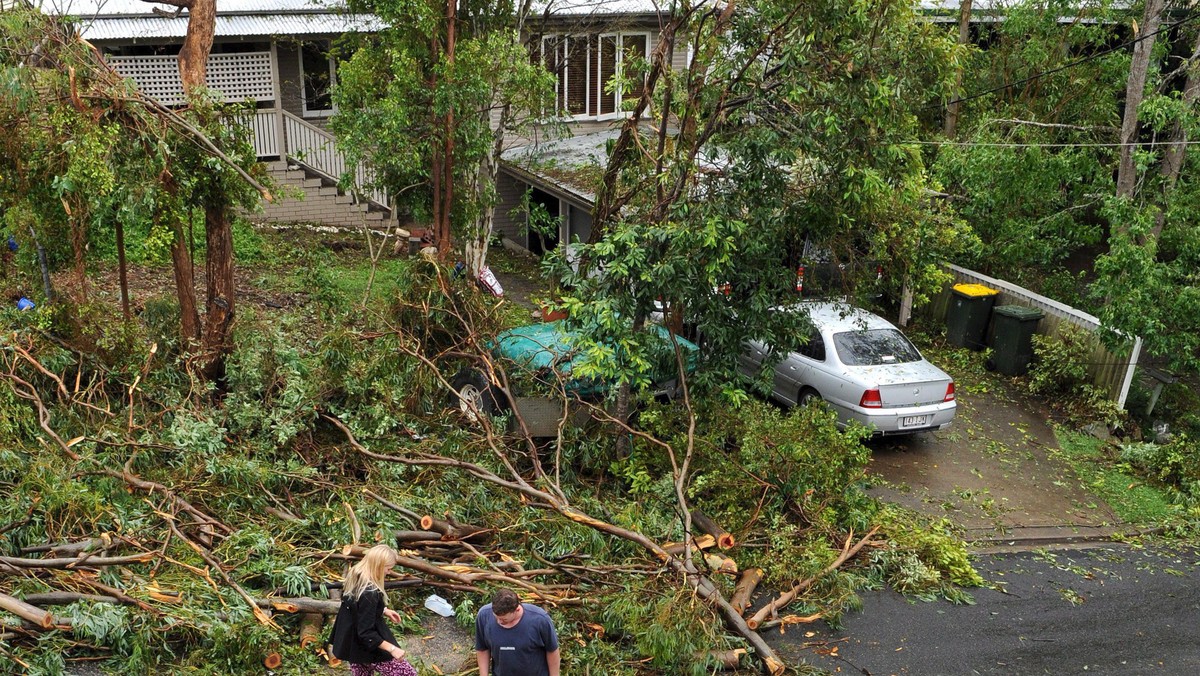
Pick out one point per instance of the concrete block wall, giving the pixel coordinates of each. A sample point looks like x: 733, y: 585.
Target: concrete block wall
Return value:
x: 321, y: 202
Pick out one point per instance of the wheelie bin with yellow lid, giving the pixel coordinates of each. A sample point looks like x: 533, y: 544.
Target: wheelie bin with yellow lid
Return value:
x: 968, y: 314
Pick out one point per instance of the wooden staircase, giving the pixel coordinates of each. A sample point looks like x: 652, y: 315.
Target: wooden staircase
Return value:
x: 305, y: 160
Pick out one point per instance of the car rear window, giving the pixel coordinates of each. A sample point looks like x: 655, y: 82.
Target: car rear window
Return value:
x: 874, y: 347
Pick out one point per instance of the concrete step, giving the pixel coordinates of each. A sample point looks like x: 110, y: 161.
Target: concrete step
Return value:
x: 313, y: 183
x: 326, y: 191
x: 343, y: 199
x: 276, y: 165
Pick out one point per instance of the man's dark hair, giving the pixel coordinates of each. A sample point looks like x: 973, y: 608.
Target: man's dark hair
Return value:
x: 504, y: 602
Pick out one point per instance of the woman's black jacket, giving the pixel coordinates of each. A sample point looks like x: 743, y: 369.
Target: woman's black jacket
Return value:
x: 360, y: 628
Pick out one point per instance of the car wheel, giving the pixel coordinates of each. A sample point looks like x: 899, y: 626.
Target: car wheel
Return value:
x: 808, y: 397
x: 473, y: 394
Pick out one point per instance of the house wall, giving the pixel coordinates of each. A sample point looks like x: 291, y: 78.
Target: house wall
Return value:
x: 291, y: 83
x: 509, y: 223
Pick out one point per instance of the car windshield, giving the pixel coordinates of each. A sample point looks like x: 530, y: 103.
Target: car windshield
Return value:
x: 874, y: 347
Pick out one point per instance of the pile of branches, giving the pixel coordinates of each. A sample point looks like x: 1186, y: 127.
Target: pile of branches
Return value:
x: 179, y: 551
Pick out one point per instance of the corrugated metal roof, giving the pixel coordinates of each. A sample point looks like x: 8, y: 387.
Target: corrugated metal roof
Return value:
x: 598, y: 7
x: 153, y: 28
x: 108, y: 8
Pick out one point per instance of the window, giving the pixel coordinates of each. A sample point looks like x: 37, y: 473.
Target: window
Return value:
x: 814, y: 347
x: 585, y: 66
x: 318, y: 73
x: 874, y: 347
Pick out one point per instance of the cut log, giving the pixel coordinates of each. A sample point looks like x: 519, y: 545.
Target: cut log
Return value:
x: 61, y: 598
x: 721, y: 563
x: 300, y: 605
x: 82, y: 560
x: 701, y: 521
x: 404, y: 537
x: 450, y: 530
x: 701, y: 543
x: 30, y: 613
x: 726, y: 659
x: 310, y: 629
x: 67, y: 548
x: 272, y: 661
x: 745, y: 589
x: 849, y: 549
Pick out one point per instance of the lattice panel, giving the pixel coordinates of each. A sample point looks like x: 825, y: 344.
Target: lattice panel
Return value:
x: 237, y: 76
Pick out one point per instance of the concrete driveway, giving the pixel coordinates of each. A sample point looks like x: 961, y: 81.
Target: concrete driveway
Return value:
x: 992, y: 474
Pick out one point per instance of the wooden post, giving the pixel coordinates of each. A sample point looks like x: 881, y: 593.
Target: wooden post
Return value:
x: 280, y: 137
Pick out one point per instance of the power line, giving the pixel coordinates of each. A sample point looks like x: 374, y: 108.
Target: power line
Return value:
x: 1042, y: 145
x: 1091, y: 57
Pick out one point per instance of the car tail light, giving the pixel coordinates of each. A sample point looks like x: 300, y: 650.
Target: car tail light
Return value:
x: 800, y: 279
x: 871, y: 399
x: 949, y: 392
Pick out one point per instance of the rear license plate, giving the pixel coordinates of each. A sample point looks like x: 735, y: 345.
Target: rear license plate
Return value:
x: 914, y: 420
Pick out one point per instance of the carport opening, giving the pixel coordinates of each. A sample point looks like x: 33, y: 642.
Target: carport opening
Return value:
x: 544, y: 238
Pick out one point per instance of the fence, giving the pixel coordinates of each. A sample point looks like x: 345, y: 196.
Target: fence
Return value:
x: 1112, y: 371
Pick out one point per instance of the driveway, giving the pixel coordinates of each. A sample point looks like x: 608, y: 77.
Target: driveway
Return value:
x: 1111, y: 610
x: 992, y: 473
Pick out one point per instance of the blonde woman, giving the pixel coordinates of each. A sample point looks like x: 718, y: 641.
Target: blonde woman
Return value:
x: 360, y: 635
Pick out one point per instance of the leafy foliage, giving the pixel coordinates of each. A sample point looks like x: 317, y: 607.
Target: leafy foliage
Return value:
x: 1060, y: 371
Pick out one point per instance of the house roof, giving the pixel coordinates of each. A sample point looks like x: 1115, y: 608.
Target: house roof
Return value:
x: 567, y: 165
x: 598, y: 7
x: 137, y: 20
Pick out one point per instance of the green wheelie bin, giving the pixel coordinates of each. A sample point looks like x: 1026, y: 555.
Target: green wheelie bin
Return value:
x: 1012, y: 338
x: 968, y: 313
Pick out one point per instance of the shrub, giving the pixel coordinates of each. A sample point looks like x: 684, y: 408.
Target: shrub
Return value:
x: 1176, y: 464
x: 1060, y: 372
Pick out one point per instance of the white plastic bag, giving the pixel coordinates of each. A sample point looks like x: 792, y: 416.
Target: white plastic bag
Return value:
x: 439, y: 605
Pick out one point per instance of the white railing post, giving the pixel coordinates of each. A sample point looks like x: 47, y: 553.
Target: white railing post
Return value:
x: 321, y: 154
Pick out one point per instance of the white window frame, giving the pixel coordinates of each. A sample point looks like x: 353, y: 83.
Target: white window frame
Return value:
x: 593, y: 86
x: 620, y: 67
x: 324, y: 112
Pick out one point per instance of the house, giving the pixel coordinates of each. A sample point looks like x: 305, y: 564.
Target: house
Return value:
x: 584, y: 43
x: 275, y: 53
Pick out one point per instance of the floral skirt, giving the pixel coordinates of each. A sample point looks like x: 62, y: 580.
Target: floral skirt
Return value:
x: 390, y: 668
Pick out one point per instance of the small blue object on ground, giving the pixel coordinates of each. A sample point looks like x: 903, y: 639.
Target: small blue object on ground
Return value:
x: 25, y: 304
x: 12, y: 243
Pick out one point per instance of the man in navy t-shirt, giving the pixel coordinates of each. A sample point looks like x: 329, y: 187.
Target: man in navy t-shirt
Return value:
x: 515, y: 639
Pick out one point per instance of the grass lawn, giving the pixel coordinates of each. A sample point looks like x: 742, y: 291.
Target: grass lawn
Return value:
x: 1135, y: 501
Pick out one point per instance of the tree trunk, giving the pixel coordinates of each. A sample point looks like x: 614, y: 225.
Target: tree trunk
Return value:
x: 193, y: 56
x: 964, y: 38
x: 310, y: 629
x: 185, y: 281
x: 1135, y: 90
x: 1172, y: 162
x: 218, y: 319
x: 444, y: 234
x: 122, y: 270
x: 475, y: 248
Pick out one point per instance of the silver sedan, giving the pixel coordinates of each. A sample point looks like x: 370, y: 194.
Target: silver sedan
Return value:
x: 862, y: 367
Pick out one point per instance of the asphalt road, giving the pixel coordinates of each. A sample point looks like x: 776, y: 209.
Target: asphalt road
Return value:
x: 1110, y: 610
